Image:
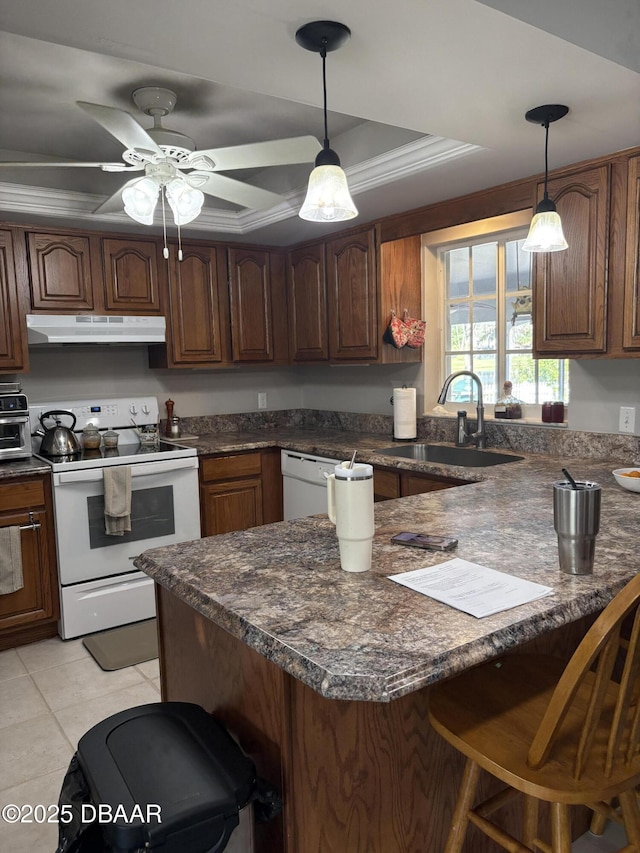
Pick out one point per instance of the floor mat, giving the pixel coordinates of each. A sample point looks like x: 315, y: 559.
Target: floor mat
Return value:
x: 126, y: 646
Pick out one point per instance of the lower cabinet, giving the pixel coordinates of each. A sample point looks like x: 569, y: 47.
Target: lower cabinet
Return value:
x: 389, y: 484
x: 30, y: 613
x: 240, y: 491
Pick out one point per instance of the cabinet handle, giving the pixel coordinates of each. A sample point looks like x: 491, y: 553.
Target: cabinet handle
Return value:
x: 33, y: 524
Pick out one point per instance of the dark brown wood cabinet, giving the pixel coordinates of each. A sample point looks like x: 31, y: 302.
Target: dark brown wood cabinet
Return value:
x: 13, y: 339
x: 307, y: 291
x: 131, y: 270
x: 389, y: 483
x: 570, y: 287
x: 30, y: 613
x: 257, y: 291
x: 631, y: 304
x: 197, y: 312
x: 399, y: 290
x: 351, y: 290
x: 240, y: 491
x: 80, y: 273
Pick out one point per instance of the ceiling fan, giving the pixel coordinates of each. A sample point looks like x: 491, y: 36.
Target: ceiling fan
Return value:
x: 172, y: 166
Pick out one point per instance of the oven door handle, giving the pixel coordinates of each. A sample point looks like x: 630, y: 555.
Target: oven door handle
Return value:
x: 14, y: 419
x: 141, y: 469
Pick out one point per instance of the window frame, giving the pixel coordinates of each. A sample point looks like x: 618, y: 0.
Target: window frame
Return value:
x: 434, y: 304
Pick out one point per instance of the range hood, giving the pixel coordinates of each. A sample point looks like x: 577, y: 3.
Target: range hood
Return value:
x: 94, y: 329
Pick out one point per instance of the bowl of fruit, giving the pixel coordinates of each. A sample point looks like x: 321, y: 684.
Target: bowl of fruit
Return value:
x: 628, y: 478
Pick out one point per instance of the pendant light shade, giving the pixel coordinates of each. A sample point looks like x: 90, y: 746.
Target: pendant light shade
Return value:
x: 545, y: 232
x: 140, y: 199
x: 328, y: 198
x: 184, y: 201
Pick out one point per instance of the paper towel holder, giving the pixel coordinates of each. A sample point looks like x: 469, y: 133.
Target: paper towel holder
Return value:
x: 396, y: 438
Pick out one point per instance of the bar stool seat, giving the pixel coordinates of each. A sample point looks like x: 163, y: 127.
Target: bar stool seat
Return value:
x: 561, y: 734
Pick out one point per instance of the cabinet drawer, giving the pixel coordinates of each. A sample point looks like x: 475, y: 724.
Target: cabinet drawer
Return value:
x: 386, y: 484
x: 225, y: 467
x: 21, y: 496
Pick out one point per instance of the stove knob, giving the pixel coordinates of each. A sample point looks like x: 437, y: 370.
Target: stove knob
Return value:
x: 145, y: 409
x: 133, y: 409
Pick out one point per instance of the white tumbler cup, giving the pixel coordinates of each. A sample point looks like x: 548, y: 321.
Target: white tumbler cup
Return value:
x: 350, y: 508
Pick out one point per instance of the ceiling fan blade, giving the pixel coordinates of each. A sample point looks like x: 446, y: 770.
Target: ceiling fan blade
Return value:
x: 114, y: 203
x: 277, y: 152
x: 106, y: 167
x: 122, y: 125
x: 237, y: 192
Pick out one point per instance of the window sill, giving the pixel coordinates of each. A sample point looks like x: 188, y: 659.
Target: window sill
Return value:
x: 536, y: 422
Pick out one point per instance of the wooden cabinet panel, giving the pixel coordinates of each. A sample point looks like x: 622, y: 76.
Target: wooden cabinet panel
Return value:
x: 60, y: 272
x: 389, y: 484
x: 351, y: 277
x: 251, y: 310
x: 399, y: 289
x: 131, y: 276
x: 197, y: 323
x: 31, y: 612
x: 234, y: 505
x: 570, y: 287
x: 223, y: 467
x: 386, y: 484
x: 13, y: 344
x: 309, y: 340
x: 631, y: 312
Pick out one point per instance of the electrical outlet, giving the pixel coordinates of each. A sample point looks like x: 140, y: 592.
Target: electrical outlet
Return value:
x: 262, y: 400
x: 627, y: 421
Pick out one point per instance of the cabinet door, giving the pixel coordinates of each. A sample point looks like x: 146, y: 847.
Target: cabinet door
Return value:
x: 399, y: 289
x: 631, y: 321
x: 60, y: 272
x: 308, y: 304
x: 251, y: 315
x: 351, y: 281
x: 234, y: 505
x: 131, y: 276
x: 197, y: 333
x: 21, y: 503
x: 570, y: 287
x: 13, y: 345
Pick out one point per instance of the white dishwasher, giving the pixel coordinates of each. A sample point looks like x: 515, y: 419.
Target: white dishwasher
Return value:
x: 304, y: 483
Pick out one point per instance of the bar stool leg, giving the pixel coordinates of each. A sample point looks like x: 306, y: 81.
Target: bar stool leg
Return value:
x: 631, y: 817
x: 530, y: 828
x: 460, y: 819
x: 560, y: 828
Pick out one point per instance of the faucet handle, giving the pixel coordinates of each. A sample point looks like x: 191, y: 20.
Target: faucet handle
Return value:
x: 462, y: 436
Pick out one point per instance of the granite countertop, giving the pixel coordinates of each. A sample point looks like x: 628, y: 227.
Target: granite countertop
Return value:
x: 280, y: 589
x: 12, y: 468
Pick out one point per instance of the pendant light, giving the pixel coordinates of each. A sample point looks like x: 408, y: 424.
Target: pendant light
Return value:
x: 545, y: 233
x: 328, y: 198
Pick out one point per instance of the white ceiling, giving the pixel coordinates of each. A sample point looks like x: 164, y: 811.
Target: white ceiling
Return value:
x: 427, y: 99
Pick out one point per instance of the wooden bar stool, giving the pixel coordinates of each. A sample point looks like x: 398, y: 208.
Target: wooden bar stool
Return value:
x: 566, y: 735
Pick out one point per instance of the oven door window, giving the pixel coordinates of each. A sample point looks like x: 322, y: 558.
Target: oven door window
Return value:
x: 152, y: 516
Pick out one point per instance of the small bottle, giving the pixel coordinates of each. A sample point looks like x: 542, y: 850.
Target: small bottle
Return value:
x: 547, y: 412
x: 169, y: 404
x: 508, y: 406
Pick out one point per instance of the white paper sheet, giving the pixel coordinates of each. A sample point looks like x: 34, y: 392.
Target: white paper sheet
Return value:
x: 472, y: 588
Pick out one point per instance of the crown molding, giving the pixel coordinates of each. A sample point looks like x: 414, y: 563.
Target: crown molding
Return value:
x: 400, y: 163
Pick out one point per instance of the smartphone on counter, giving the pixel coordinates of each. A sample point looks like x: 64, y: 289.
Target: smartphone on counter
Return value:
x: 425, y: 540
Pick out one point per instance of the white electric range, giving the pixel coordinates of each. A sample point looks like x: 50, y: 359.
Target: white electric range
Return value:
x: 99, y: 587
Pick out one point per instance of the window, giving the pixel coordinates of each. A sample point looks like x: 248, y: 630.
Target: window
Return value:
x: 481, y: 281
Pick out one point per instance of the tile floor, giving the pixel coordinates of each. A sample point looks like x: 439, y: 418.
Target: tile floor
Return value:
x: 51, y: 693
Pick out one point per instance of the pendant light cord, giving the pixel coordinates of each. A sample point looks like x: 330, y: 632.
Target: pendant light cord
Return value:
x: 323, y: 54
x: 546, y: 157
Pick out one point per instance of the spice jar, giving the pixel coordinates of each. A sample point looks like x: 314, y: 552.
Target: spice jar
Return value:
x: 110, y: 438
x: 91, y: 437
x: 557, y: 412
x: 547, y: 413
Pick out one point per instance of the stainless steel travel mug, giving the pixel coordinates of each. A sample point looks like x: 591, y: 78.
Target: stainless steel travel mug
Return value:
x: 576, y: 518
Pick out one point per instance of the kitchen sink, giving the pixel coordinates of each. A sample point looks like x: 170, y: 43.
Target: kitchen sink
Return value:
x: 468, y: 457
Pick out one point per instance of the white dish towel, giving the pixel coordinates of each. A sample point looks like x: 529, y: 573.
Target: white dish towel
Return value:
x: 10, y: 560
x: 117, y: 499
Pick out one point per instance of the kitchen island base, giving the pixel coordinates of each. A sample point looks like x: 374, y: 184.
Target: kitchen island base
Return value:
x: 356, y: 777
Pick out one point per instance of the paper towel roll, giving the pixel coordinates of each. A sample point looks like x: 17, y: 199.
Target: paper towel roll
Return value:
x: 404, y: 413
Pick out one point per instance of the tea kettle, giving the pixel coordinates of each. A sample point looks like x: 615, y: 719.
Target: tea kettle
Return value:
x: 58, y: 440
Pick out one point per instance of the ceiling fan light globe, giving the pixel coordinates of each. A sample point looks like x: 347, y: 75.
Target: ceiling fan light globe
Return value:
x: 328, y: 198
x: 185, y: 201
x: 545, y: 233
x: 140, y: 199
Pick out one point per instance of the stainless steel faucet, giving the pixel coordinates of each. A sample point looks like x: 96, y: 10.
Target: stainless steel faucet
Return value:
x: 479, y: 437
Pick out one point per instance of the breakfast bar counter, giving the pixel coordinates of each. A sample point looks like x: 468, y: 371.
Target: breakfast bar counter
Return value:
x: 324, y: 676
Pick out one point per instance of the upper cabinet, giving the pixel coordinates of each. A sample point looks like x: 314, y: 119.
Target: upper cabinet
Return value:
x: 351, y: 290
x: 198, y: 310
x: 570, y: 287
x: 307, y: 290
x: 399, y: 290
x: 72, y: 273
x: 13, y: 343
x: 257, y: 293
